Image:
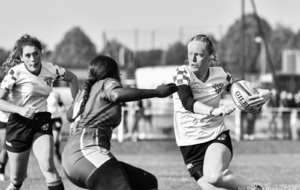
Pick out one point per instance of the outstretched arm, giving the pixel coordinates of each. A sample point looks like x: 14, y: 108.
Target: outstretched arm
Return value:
x: 133, y: 94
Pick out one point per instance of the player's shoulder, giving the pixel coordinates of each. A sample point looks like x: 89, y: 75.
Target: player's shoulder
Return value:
x: 183, y: 69
x: 108, y: 82
x: 54, y: 69
x: 218, y: 70
x: 17, y: 69
x: 47, y: 64
x: 182, y: 75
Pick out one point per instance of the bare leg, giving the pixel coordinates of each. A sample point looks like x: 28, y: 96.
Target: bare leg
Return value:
x: 216, y: 172
x: 56, y: 138
x: 43, y: 150
x: 207, y: 186
x: 18, y: 163
x: 3, y: 154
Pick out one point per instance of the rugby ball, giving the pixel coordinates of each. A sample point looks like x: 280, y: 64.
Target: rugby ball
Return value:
x: 240, y: 90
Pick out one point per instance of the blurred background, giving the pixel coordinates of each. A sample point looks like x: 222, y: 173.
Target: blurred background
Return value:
x: 258, y: 41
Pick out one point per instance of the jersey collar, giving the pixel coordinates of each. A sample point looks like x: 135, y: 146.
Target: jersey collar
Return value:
x: 205, y: 78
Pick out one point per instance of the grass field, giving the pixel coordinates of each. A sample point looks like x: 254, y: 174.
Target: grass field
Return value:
x: 275, y: 164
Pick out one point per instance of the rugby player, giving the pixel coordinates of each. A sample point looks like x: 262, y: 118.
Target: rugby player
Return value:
x: 95, y: 113
x: 200, y: 132
x: 28, y: 126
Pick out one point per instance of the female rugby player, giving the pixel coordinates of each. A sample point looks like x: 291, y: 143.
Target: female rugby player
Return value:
x: 28, y: 126
x: 200, y: 131
x: 96, y: 111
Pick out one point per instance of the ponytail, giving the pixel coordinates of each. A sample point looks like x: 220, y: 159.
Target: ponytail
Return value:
x: 87, y: 89
x: 10, y: 62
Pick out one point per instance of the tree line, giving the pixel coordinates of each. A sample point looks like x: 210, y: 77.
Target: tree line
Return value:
x: 77, y: 50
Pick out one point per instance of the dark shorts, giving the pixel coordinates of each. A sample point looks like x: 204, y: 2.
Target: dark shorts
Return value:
x: 194, y: 155
x: 87, y: 165
x: 2, y: 125
x: 56, y: 124
x: 21, y: 132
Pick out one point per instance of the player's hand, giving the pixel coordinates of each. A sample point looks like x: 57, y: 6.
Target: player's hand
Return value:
x: 165, y: 90
x: 27, y: 112
x: 261, y: 98
x: 223, y: 110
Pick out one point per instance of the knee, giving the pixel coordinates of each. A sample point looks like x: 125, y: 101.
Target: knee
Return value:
x: 214, y: 178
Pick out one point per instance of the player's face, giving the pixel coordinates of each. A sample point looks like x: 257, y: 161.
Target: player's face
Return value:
x: 32, y: 58
x: 198, y: 56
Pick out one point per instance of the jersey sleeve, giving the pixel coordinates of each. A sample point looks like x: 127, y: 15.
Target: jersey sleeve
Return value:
x: 181, y: 77
x: 109, y: 85
x: 229, y: 79
x: 59, y: 71
x: 9, y: 80
x: 182, y: 80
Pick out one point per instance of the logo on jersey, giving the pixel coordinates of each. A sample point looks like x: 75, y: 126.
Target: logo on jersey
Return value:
x: 45, y: 127
x: 189, y: 166
x: 8, y: 144
x: 49, y: 80
x: 218, y: 87
x: 222, y: 137
x: 197, y: 88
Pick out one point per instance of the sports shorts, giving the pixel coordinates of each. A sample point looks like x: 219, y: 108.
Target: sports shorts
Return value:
x: 21, y: 132
x: 56, y: 124
x: 2, y: 125
x: 193, y: 155
x: 90, y: 166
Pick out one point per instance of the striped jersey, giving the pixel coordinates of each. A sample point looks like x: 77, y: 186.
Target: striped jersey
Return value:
x: 100, y: 112
x: 32, y: 90
x: 194, y: 128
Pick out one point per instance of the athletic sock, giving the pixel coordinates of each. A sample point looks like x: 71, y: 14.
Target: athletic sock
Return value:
x: 57, y: 185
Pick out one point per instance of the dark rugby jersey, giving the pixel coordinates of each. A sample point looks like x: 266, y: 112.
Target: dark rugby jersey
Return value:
x: 100, y: 112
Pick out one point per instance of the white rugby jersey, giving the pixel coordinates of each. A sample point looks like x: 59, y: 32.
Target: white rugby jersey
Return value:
x: 32, y: 90
x: 5, y: 115
x: 193, y: 128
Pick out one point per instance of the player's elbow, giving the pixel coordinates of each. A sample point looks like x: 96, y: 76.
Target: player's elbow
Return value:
x: 115, y: 96
x: 70, y: 77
